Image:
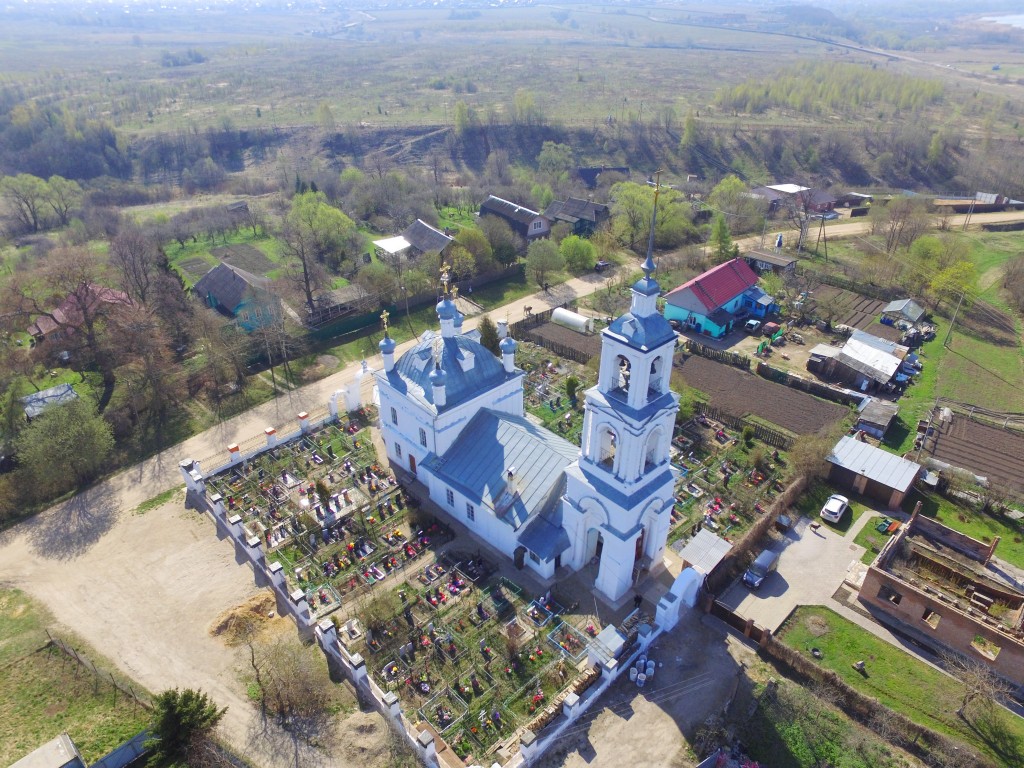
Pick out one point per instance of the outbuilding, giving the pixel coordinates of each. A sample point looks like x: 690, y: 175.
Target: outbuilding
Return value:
x: 870, y: 471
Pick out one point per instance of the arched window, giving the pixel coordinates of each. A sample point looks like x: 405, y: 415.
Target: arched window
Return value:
x: 622, y: 372
x: 653, y: 450
x: 654, y: 381
x: 606, y: 447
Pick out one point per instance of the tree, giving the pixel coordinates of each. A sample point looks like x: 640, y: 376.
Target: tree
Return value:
x: 556, y: 161
x: 181, y: 719
x: 475, y: 241
x: 721, y: 239
x: 505, y: 244
x: 579, y: 254
x: 64, y: 447
x: 63, y: 195
x: 489, y: 335
x: 953, y: 282
x: 542, y: 258
x: 293, y: 686
x: 631, y: 216
x: 730, y: 196
x: 772, y: 284
x: 979, y: 681
x: 325, y: 117
x: 27, y: 195
x: 314, y: 234
x: 134, y: 256
x: 525, y: 110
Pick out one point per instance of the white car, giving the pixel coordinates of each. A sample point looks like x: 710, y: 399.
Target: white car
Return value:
x: 835, y: 508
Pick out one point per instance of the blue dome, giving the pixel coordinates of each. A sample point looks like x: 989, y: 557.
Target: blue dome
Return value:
x: 469, y: 369
x: 507, y: 345
x: 647, y: 286
x: 459, y: 317
x: 437, y: 377
x: 387, y: 345
x: 446, y: 309
x: 642, y: 332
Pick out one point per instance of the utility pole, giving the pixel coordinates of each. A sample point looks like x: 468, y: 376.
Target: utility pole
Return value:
x: 945, y: 341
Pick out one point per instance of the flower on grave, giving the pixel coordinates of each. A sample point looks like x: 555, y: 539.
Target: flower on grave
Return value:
x: 533, y: 708
x: 508, y: 670
x: 473, y: 729
x: 532, y: 657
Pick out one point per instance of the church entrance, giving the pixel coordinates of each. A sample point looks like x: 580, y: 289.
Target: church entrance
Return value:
x: 639, y: 546
x: 595, y: 544
x: 412, y: 463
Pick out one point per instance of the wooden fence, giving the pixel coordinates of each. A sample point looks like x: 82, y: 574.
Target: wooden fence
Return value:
x: 761, y: 432
x: 523, y: 330
x: 719, y: 355
x: 99, y: 676
x: 816, y: 388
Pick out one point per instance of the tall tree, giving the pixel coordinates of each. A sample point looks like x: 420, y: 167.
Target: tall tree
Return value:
x: 721, y: 239
x: 180, y: 719
x: 63, y: 196
x: 315, y: 231
x: 505, y: 244
x: 65, y: 446
x: 489, y: 334
x: 542, y: 258
x: 730, y: 196
x: 578, y: 254
x: 26, y: 195
x: 135, y: 257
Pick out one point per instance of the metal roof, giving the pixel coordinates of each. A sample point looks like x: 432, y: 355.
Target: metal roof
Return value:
x: 228, y: 285
x: 470, y: 368
x: 868, y: 360
x: 909, y: 308
x: 38, y: 402
x: 392, y: 245
x: 777, y: 259
x: 508, y: 210
x: 425, y: 238
x: 641, y: 332
x: 489, y: 447
x: 704, y: 551
x: 875, y: 464
x: 878, y: 412
x: 788, y: 189
x: 716, y: 287
x: 58, y: 753
x: 545, y: 536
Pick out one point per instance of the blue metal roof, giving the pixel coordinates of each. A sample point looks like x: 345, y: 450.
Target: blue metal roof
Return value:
x: 545, y: 536
x: 490, y: 445
x: 38, y: 402
x: 641, y: 332
x: 470, y: 369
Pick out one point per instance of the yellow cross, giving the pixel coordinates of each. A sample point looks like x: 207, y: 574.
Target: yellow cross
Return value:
x: 384, y: 319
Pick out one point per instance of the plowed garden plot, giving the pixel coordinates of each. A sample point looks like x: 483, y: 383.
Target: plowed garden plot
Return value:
x: 244, y: 256
x: 854, y: 310
x: 589, y: 344
x: 740, y: 393
x: 991, y: 452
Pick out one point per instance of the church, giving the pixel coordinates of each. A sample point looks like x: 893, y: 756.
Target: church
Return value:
x: 452, y: 415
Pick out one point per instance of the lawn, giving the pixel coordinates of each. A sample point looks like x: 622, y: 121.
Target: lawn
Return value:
x: 924, y: 694
x: 43, y: 693
x: 973, y: 522
x: 871, y: 540
x: 815, y: 497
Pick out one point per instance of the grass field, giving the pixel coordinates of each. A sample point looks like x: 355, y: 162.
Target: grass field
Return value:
x: 43, y: 693
x: 924, y: 694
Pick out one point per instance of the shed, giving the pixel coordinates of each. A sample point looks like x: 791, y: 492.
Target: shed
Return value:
x: 38, y: 402
x: 876, y: 416
x: 767, y: 261
x: 871, y: 471
x: 704, y: 552
x: 61, y: 752
x: 570, y: 319
x: 903, y: 309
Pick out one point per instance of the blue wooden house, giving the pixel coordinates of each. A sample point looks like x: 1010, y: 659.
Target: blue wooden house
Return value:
x: 241, y: 295
x: 715, y: 301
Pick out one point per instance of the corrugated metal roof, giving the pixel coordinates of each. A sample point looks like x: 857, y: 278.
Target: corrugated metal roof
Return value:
x: 38, y: 402
x: 705, y: 550
x: 57, y: 753
x: 788, y: 189
x: 508, y: 210
x: 909, y: 308
x: 492, y: 444
x: 228, y: 284
x: 392, y: 245
x: 875, y: 464
x: 425, y: 238
x: 868, y: 360
x: 719, y: 285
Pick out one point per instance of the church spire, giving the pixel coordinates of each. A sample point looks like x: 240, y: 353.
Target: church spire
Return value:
x: 646, y: 289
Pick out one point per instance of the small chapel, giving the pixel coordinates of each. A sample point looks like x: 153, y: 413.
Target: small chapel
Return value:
x: 453, y: 416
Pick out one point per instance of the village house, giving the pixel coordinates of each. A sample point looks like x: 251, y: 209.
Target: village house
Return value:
x: 67, y: 318
x: 37, y: 402
x: 524, y: 222
x: 770, y: 261
x: 871, y: 471
x: 865, y: 362
x: 418, y: 240
x: 713, y: 302
x: 584, y: 216
x: 241, y: 295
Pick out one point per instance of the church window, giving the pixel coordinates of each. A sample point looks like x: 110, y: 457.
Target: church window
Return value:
x: 398, y: 450
x: 470, y: 511
x: 449, y: 497
x: 534, y: 557
x: 654, y: 382
x: 394, y: 416
x: 423, y: 437
x: 622, y: 373
x: 652, y: 453
x: 606, y: 457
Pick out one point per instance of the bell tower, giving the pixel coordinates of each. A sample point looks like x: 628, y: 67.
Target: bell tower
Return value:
x: 619, y: 492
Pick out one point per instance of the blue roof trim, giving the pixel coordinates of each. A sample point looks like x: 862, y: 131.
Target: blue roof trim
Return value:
x: 622, y: 408
x: 545, y: 536
x: 616, y: 497
x: 644, y: 333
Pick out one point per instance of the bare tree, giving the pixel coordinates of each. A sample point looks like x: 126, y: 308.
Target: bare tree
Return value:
x: 134, y: 256
x: 979, y: 683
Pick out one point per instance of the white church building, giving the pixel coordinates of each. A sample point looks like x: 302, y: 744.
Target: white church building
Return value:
x: 452, y: 415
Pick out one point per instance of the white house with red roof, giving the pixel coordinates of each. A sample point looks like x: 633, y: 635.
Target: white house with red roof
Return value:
x: 714, y: 301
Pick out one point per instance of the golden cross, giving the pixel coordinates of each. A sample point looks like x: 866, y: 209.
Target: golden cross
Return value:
x: 455, y: 292
x: 445, y: 268
x: 384, y: 319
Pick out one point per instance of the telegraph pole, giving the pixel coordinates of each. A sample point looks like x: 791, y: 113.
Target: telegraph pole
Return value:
x: 945, y: 341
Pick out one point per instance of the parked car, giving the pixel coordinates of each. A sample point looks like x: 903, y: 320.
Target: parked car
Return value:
x: 835, y: 508
x: 752, y: 326
x: 761, y: 568
x: 827, y: 216
x: 602, y: 265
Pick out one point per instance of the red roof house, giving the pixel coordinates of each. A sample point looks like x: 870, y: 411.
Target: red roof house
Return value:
x: 711, y: 302
x: 71, y: 312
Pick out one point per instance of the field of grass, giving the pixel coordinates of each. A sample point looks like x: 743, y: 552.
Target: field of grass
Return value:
x: 42, y: 693
x: 924, y: 694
